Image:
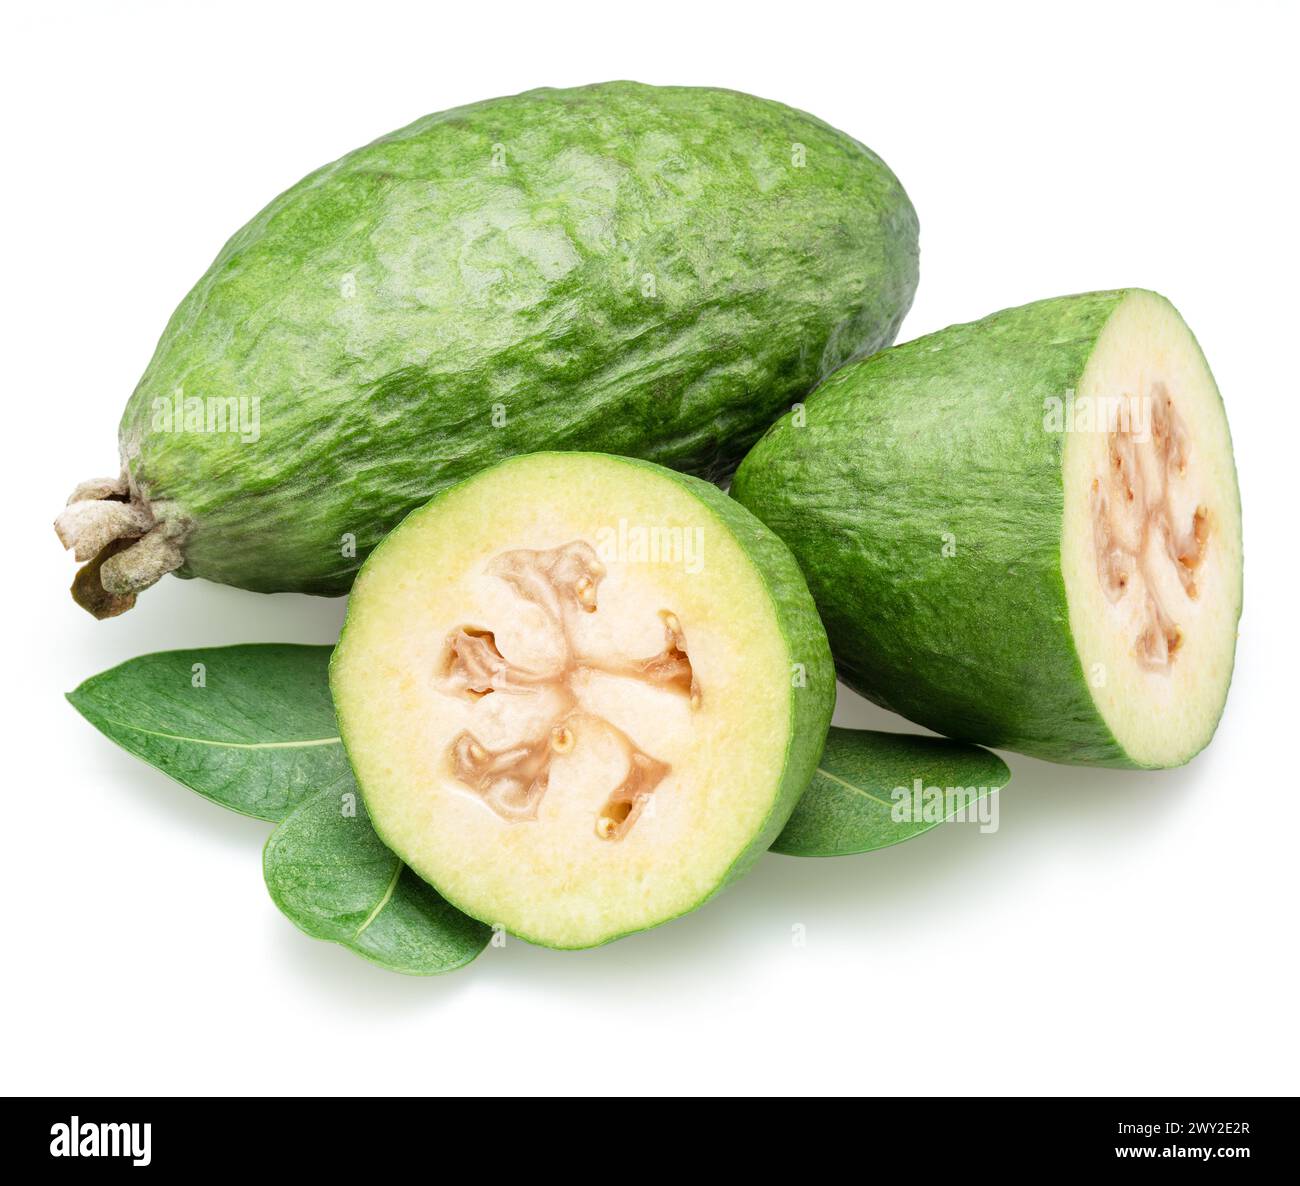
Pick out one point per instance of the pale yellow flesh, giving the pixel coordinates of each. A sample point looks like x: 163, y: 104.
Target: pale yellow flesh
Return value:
x: 1161, y: 709
x: 554, y: 878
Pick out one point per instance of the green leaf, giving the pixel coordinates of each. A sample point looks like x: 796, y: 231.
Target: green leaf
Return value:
x: 331, y: 875
x: 849, y: 807
x: 251, y: 727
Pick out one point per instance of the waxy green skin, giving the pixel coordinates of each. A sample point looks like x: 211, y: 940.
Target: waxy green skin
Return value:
x: 647, y: 271
x: 812, y: 672
x: 944, y: 436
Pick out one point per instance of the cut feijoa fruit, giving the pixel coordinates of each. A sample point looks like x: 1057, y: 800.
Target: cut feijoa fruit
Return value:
x: 581, y: 693
x: 1024, y: 531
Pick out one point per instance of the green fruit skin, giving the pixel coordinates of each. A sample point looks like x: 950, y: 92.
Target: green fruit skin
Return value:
x: 622, y: 268
x: 811, y: 706
x: 945, y: 434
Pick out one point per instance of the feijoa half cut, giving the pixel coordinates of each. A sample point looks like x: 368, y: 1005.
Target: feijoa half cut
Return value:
x: 581, y: 693
x: 1025, y: 531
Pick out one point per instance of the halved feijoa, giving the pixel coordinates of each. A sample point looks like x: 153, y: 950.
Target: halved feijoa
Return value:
x: 1024, y: 531
x: 581, y: 693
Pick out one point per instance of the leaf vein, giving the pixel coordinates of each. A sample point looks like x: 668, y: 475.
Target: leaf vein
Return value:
x: 849, y: 786
x: 388, y: 893
x: 305, y: 742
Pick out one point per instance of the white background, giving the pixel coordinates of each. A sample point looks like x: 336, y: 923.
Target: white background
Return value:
x: 1120, y: 933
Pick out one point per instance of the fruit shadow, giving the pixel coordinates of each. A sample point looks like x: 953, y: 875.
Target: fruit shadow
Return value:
x: 347, y: 981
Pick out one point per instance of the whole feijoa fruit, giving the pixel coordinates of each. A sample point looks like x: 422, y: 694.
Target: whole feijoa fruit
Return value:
x: 656, y: 272
x: 1026, y: 531
x: 581, y: 693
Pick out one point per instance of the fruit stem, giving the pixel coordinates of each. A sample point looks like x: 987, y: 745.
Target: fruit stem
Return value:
x: 114, y: 530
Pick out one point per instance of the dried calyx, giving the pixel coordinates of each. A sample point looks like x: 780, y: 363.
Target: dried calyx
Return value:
x: 124, y: 548
x: 1136, y: 526
x: 562, y: 582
